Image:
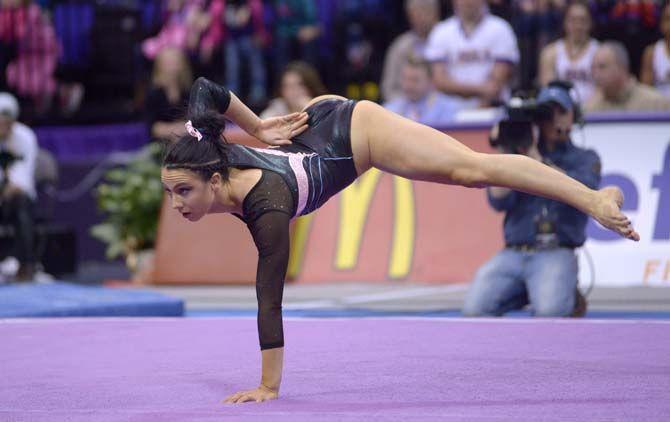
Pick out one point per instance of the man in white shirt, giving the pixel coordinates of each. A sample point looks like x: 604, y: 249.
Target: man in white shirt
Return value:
x: 473, y: 55
x: 17, y: 183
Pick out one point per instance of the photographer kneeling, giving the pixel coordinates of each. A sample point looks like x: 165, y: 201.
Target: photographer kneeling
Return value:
x: 539, y: 264
x: 18, y: 152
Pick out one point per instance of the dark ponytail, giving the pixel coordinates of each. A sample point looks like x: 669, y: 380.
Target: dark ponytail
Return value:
x: 207, y: 103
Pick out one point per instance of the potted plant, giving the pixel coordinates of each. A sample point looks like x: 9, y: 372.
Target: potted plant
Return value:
x: 131, y: 198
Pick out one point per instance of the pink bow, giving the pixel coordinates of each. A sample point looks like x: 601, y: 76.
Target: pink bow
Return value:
x: 193, y: 131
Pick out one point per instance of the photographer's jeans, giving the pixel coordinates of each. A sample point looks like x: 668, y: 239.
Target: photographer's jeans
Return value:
x: 512, y: 279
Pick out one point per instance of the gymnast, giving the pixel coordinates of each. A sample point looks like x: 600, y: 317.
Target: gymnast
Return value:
x: 312, y: 156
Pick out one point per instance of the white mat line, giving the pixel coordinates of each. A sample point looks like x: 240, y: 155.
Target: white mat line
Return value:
x: 74, y: 320
x: 375, y: 297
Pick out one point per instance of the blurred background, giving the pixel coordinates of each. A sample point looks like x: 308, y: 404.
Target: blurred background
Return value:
x: 92, y: 87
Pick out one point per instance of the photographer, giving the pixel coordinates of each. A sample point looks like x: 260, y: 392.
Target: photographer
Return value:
x: 538, y: 265
x: 18, y: 151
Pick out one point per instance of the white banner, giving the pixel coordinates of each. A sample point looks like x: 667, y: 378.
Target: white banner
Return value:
x: 635, y: 157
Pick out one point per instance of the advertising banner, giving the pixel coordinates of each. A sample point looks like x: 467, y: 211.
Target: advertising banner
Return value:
x: 387, y: 228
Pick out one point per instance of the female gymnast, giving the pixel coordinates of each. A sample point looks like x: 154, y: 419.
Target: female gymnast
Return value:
x: 333, y: 142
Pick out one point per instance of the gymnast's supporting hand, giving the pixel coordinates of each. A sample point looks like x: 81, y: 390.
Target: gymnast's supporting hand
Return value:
x: 271, y: 378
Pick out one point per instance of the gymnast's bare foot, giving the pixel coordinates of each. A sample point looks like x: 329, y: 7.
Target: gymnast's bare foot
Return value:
x: 258, y: 395
x: 607, y: 211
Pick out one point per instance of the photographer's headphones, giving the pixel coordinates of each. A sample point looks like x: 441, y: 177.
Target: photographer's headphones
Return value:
x: 564, y: 93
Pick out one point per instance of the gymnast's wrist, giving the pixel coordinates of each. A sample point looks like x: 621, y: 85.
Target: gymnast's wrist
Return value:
x: 270, y: 389
x: 257, y: 128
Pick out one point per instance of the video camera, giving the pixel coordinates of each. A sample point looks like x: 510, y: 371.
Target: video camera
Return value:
x: 515, y: 130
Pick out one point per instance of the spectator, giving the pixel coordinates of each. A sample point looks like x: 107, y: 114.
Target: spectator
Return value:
x: 656, y: 58
x: 245, y: 38
x: 17, y: 193
x: 30, y: 73
x: 296, y: 32
x: 536, y: 23
x: 631, y: 22
x: 363, y: 30
x: 617, y: 89
x: 570, y: 57
x: 299, y: 83
x: 168, y: 98
x: 474, y: 54
x: 538, y: 265
x: 422, y: 15
x: 184, y: 24
x: 209, y: 23
x: 419, y: 100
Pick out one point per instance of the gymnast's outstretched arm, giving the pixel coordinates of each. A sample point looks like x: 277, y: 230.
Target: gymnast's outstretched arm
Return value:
x: 207, y: 95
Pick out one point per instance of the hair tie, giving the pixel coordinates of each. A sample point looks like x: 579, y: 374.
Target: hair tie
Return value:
x: 193, y: 131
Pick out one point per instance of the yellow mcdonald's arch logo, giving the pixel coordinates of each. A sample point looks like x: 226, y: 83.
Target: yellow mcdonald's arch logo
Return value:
x: 354, y: 206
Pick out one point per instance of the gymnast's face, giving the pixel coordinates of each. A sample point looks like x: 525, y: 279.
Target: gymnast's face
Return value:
x: 189, y: 194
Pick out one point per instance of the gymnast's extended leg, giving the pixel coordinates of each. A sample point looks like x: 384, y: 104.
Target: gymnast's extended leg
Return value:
x: 403, y: 147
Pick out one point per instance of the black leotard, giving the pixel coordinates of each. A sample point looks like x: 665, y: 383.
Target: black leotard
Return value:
x: 296, y: 180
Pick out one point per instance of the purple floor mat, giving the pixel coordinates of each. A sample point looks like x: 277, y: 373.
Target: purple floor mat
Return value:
x: 377, y: 369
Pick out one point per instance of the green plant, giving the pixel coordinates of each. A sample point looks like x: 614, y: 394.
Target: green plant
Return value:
x: 131, y: 198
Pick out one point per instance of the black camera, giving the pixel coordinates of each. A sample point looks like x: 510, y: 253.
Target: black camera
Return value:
x: 7, y: 158
x: 515, y: 130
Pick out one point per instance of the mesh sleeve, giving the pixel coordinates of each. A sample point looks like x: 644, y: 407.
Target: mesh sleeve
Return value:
x: 207, y: 95
x: 271, y: 236
x: 267, y: 211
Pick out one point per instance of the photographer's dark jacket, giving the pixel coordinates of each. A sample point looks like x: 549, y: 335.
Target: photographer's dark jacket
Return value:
x: 523, y: 211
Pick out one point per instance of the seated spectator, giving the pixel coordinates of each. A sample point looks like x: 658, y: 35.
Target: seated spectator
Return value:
x: 296, y: 32
x: 17, y: 184
x: 167, y: 99
x: 30, y: 73
x: 538, y: 265
x: 570, y: 57
x: 245, y: 38
x: 656, y: 58
x: 631, y: 22
x: 616, y: 88
x: 419, y: 100
x: 473, y: 55
x: 299, y: 83
x: 422, y: 16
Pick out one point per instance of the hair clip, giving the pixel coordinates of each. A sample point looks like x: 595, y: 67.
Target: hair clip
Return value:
x: 193, y: 131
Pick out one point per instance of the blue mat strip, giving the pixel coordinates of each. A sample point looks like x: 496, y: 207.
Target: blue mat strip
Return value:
x: 62, y: 299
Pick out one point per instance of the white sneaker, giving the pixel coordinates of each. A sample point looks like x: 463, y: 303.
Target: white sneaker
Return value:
x: 43, y: 278
x: 9, y: 267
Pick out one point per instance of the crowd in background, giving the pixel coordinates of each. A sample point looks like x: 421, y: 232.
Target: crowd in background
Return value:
x: 78, y: 62
x: 114, y: 60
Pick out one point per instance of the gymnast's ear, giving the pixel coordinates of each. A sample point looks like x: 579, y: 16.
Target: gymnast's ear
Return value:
x: 216, y: 180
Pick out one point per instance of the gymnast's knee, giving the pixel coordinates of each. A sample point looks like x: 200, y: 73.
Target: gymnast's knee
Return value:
x: 471, y: 173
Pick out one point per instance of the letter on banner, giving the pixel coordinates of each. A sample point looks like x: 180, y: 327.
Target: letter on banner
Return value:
x: 354, y: 206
